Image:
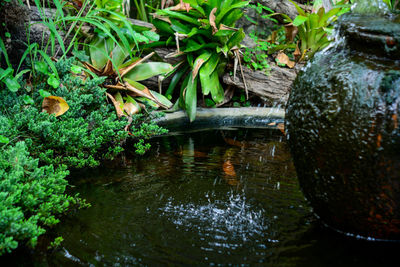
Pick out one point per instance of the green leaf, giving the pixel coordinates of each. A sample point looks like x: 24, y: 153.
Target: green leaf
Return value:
x: 178, y: 15
x: 81, y: 56
x: 236, y: 39
x: 4, y: 140
x: 44, y: 93
x: 152, y: 36
x: 192, y: 46
x: 174, y: 81
x: 191, y: 98
x: 147, y: 101
x: 140, y: 38
x: 28, y: 100
x: 228, y: 8
x: 299, y: 20
x: 53, y: 81
x: 76, y: 69
x: 217, y: 92
x: 148, y: 70
x: 179, y: 27
x: 41, y: 67
x: 162, y: 26
x: 4, y: 51
x: 12, y: 84
x: 98, y: 53
x: 209, y: 103
x: 162, y: 99
x: 4, y: 73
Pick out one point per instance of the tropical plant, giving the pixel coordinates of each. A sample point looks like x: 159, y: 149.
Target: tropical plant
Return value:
x: 203, y: 34
x: 314, y: 28
x: 124, y: 73
x: 392, y: 4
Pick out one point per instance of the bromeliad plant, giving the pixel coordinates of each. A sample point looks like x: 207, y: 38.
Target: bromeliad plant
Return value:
x: 124, y: 73
x: 314, y: 28
x: 204, y: 35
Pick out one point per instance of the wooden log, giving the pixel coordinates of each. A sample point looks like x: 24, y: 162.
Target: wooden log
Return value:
x: 274, y: 88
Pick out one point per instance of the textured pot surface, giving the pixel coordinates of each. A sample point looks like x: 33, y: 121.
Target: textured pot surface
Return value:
x: 343, y: 130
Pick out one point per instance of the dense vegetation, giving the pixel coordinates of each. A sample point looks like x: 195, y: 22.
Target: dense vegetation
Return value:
x: 75, y: 111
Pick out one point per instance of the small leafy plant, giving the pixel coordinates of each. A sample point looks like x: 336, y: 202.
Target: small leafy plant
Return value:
x: 314, y: 28
x: 392, y: 4
x: 31, y: 197
x: 204, y: 35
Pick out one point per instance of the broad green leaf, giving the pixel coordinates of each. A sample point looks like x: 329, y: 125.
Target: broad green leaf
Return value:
x: 140, y: 38
x: 49, y: 62
x: 152, y: 36
x: 178, y: 15
x: 192, y: 46
x: 179, y: 27
x: 118, y: 56
x: 81, y: 55
x: 44, y: 93
x: 76, y: 69
x: 148, y: 70
x: 224, y: 33
x: 299, y: 20
x: 4, y: 140
x: 200, y: 60
x: 147, y: 101
x: 28, y: 100
x: 232, y: 17
x: 12, y: 84
x: 5, y: 73
x: 174, y: 81
x: 98, y: 53
x: 209, y: 67
x: 53, y: 81
x: 236, y: 39
x: 196, y: 6
x: 217, y: 92
x: 228, y: 8
x: 41, y: 67
x: 163, y: 26
x: 162, y: 99
x: 191, y: 98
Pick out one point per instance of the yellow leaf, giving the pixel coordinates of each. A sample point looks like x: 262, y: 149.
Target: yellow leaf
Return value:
x: 284, y: 59
x: 54, y: 105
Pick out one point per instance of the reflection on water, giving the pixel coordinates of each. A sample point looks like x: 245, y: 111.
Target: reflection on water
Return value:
x: 206, y: 198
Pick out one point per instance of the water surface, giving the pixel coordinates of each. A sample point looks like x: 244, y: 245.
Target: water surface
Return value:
x: 206, y: 198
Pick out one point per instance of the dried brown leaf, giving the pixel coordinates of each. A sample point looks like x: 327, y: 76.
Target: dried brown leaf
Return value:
x: 54, y: 105
x: 117, y: 105
x: 291, y: 32
x: 212, y: 20
x: 182, y: 7
x: 284, y: 59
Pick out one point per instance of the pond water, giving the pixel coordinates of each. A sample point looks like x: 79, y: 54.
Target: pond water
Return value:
x: 218, y: 197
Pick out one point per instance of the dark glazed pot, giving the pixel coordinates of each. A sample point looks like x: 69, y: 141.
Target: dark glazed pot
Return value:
x: 343, y: 128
